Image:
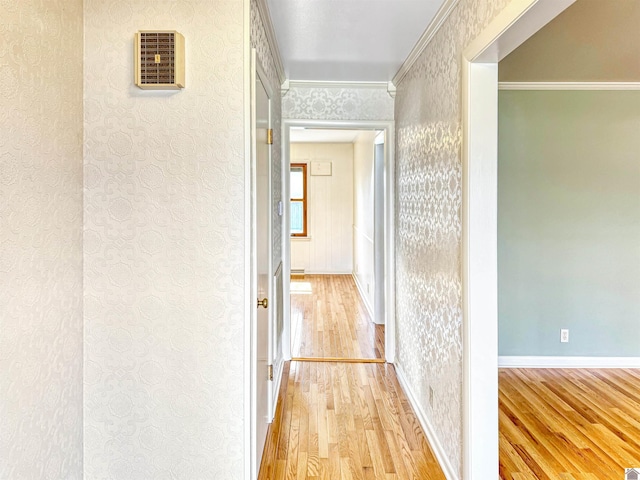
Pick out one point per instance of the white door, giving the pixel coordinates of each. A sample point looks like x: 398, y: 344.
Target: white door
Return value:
x: 262, y: 250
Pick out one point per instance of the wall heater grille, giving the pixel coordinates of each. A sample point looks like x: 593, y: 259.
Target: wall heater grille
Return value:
x: 159, y: 60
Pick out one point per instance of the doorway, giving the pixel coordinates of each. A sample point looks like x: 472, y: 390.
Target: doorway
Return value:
x: 302, y: 287
x: 479, y: 225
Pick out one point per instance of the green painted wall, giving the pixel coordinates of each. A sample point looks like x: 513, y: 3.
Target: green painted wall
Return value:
x: 569, y: 222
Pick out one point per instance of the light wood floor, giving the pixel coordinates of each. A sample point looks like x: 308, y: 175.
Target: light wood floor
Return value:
x: 569, y: 424
x: 329, y: 319
x: 340, y: 421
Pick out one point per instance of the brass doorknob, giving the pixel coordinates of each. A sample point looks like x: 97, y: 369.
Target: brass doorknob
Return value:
x: 264, y: 303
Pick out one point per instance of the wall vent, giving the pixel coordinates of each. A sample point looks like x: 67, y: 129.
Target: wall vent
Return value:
x: 159, y: 60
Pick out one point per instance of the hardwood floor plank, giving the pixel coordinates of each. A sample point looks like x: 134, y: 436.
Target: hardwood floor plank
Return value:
x: 329, y: 319
x: 568, y: 423
x: 359, y: 445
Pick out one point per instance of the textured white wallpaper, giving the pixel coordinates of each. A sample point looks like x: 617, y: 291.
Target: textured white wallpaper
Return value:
x: 164, y: 247
x: 265, y: 56
x: 40, y: 239
x: 429, y: 224
x: 311, y: 103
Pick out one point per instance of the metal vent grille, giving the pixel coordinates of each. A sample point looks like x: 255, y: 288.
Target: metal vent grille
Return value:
x: 159, y: 60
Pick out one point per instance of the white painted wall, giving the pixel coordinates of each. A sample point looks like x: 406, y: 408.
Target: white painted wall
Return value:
x: 329, y: 247
x: 164, y: 248
x: 41, y: 240
x: 363, y: 221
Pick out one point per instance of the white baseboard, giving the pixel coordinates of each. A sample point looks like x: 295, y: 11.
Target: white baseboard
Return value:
x: 568, y: 362
x: 363, y: 296
x: 448, y: 470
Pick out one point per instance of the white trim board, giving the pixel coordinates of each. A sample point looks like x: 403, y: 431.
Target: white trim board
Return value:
x: 425, y: 39
x: 429, y: 430
x: 567, y: 362
x: 569, y: 85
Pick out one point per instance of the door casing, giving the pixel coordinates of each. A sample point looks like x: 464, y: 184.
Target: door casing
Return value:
x: 389, y: 226
x: 515, y: 24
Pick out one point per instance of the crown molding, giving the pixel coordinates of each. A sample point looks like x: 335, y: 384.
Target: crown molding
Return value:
x: 441, y: 15
x: 569, y: 85
x: 391, y: 89
x: 284, y: 88
x: 263, y: 8
x: 320, y: 84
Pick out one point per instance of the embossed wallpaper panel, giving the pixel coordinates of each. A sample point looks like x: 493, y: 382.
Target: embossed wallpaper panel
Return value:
x: 312, y: 103
x: 429, y: 224
x: 40, y: 239
x: 164, y: 247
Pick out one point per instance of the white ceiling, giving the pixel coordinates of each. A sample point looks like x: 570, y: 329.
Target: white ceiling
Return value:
x: 322, y: 135
x: 348, y: 40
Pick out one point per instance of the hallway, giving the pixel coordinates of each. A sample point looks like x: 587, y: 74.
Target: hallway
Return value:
x: 341, y: 420
x: 330, y: 320
x: 345, y: 421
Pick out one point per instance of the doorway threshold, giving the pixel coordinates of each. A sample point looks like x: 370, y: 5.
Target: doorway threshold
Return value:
x: 338, y: 359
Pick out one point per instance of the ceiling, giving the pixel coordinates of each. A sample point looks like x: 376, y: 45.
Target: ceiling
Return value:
x: 322, y: 135
x: 348, y: 40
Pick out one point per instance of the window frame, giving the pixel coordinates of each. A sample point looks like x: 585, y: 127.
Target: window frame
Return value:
x: 304, y: 200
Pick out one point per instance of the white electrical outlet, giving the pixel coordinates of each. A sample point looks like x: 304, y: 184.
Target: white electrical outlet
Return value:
x: 564, y: 335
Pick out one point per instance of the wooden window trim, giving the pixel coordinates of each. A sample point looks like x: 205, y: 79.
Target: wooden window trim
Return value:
x: 302, y: 166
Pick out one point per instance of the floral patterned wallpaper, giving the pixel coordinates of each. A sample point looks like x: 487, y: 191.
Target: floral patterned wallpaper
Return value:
x: 314, y: 103
x: 429, y: 223
x: 164, y: 251
x: 41, y: 239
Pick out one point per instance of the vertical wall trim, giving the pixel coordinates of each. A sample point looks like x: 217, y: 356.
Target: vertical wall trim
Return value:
x: 249, y: 77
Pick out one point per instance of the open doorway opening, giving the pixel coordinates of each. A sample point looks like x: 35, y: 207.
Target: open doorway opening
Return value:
x: 568, y: 240
x: 479, y: 211
x: 332, y: 228
x: 337, y: 177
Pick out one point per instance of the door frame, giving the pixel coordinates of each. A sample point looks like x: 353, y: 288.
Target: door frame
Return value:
x: 516, y: 23
x: 389, y: 223
x: 257, y: 72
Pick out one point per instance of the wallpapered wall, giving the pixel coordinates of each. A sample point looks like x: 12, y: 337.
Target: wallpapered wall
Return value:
x: 265, y: 56
x: 312, y: 103
x: 41, y: 239
x: 164, y: 247
x: 429, y: 225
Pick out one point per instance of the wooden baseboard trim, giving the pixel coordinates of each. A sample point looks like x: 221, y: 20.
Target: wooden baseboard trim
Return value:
x: 338, y: 360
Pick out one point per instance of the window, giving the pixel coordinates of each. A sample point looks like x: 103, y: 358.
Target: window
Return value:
x: 298, y: 200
